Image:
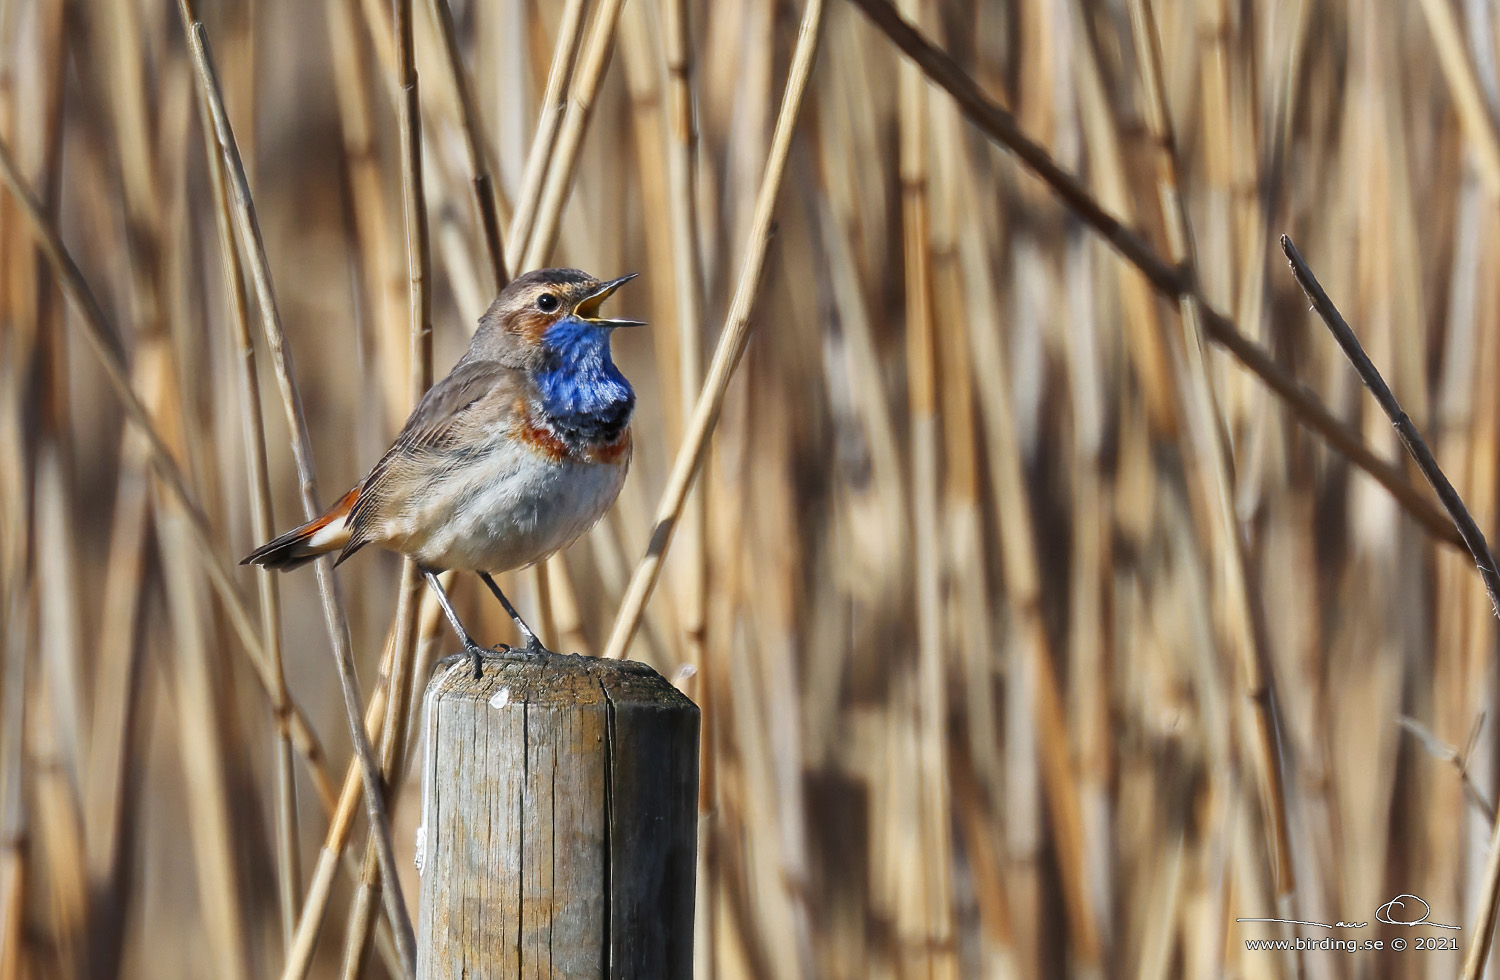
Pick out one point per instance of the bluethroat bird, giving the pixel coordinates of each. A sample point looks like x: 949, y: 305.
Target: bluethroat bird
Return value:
x: 512, y: 456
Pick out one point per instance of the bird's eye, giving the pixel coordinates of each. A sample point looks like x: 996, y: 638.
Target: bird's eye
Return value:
x: 546, y: 302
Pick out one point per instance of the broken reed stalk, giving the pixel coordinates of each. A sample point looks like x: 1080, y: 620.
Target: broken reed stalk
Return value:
x: 105, y: 343
x: 333, y: 611
x: 414, y: 197
x: 1167, y: 279
x: 731, y: 344
x: 1205, y: 435
x: 1473, y: 537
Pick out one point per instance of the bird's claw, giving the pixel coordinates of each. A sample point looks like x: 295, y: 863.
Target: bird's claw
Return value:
x: 533, y: 651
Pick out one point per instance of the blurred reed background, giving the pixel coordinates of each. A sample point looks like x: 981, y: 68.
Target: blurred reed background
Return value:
x: 1033, y: 638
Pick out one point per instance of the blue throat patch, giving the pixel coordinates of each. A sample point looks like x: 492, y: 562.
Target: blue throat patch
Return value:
x: 580, y: 393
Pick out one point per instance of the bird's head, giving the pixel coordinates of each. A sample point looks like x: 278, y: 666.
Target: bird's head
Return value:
x: 546, y: 316
x: 547, y: 323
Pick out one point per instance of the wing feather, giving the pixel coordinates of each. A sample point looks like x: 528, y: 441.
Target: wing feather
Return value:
x: 474, y: 393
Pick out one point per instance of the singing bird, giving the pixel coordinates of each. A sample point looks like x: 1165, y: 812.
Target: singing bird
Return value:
x: 507, y: 460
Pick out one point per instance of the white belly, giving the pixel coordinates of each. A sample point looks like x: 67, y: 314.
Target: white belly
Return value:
x: 508, y: 509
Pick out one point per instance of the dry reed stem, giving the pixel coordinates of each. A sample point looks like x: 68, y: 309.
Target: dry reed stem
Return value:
x: 481, y: 180
x: 332, y: 607
x: 288, y: 852
x: 687, y: 279
x: 413, y: 192
x: 1206, y: 437
x: 419, y: 267
x: 980, y: 783
x: 381, y: 290
x: 931, y: 905
x: 563, y: 161
x: 103, y: 340
x: 203, y: 764
x: 1473, y: 112
x: 1001, y: 126
x: 15, y: 646
x: 549, y: 122
x: 340, y: 826
x: 561, y: 164
x: 1035, y: 702
x: 1146, y: 342
x: 731, y: 344
x: 109, y: 793
x: 106, y: 796
x: 207, y: 724
x: 393, y: 735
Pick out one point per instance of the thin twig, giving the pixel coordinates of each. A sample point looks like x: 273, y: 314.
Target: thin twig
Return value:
x: 1459, y: 759
x: 333, y: 611
x: 1001, y: 126
x: 731, y: 343
x: 1484, y: 918
x: 1473, y: 538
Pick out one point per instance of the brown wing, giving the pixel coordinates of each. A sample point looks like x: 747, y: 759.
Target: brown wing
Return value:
x: 446, y: 411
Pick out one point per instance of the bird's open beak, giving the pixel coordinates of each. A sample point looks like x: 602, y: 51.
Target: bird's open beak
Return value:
x: 588, y: 310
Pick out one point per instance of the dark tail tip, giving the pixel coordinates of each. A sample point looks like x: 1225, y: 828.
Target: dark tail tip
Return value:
x: 284, y: 553
x: 295, y: 548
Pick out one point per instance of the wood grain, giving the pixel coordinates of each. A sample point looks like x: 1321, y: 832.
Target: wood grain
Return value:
x: 559, y: 822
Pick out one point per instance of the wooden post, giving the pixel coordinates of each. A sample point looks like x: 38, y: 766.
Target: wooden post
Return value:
x: 559, y: 823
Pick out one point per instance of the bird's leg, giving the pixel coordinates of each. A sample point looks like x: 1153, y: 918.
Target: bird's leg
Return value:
x: 473, y: 649
x: 534, y: 645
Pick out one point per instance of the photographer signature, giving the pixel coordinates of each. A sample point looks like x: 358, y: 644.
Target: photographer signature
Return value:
x: 1394, y: 913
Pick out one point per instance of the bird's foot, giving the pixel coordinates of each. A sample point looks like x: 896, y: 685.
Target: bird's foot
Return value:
x: 474, y: 654
x: 535, y: 649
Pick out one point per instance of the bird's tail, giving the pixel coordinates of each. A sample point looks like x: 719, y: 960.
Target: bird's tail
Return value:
x: 302, y: 544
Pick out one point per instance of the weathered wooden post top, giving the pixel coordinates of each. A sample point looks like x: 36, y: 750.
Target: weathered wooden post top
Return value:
x: 559, y: 823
